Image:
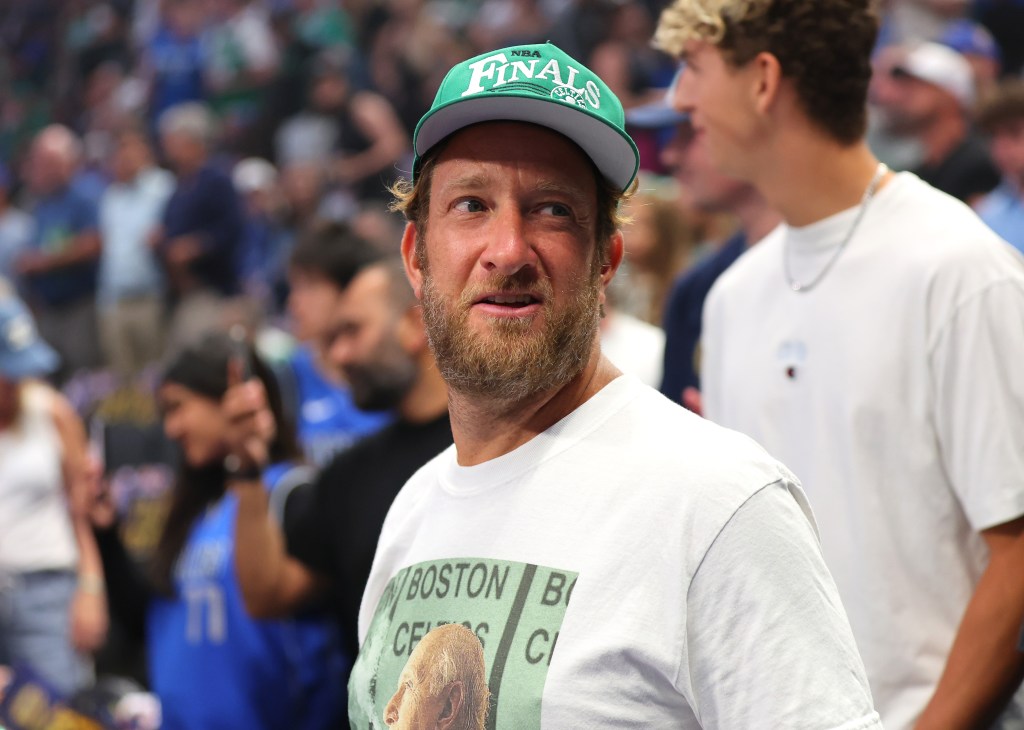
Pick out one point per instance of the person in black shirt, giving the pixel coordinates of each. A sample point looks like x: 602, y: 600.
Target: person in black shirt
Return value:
x: 930, y: 98
x: 332, y: 525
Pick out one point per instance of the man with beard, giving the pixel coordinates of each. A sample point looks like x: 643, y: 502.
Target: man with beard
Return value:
x: 622, y: 561
x: 332, y: 525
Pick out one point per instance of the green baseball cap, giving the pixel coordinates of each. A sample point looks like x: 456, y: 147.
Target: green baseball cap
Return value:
x: 539, y: 84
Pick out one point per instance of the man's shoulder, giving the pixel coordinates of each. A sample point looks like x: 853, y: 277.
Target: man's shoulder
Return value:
x: 654, y: 446
x: 942, y: 237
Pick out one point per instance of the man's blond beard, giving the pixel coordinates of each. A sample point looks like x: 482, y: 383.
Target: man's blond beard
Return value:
x: 512, y: 364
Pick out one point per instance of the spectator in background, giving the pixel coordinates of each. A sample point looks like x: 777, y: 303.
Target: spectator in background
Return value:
x: 266, y: 243
x: 931, y: 98
x: 212, y: 666
x: 625, y: 60
x: 913, y: 21
x: 171, y: 61
x: 15, y: 227
x: 131, y: 291
x: 322, y: 266
x: 323, y: 24
x: 1005, y: 20
x: 380, y: 343
x: 659, y: 245
x: 58, y: 269
x: 241, y: 63
x: 202, y: 225
x: 357, y: 130
x: 1001, y: 117
x: 974, y: 42
x: 52, y: 607
x: 508, y: 22
x: 714, y: 192
x: 304, y: 187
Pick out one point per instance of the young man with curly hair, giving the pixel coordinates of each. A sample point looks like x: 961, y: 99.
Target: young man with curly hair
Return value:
x: 870, y: 342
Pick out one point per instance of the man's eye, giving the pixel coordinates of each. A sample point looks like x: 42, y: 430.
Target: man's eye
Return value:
x: 557, y: 209
x: 470, y: 205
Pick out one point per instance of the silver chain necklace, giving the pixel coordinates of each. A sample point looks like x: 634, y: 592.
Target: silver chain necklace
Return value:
x: 869, y: 194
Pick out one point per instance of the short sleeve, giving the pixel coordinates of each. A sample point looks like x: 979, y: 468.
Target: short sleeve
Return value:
x: 306, y: 526
x: 977, y: 365
x: 768, y: 641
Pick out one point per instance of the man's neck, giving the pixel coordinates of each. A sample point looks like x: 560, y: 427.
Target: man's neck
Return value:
x: 942, y: 137
x: 811, y: 179
x: 486, y: 429
x: 427, y: 399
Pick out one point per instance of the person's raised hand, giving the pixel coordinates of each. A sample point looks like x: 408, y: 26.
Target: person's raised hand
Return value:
x: 250, y: 422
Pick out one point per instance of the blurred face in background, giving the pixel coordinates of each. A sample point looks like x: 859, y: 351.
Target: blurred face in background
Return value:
x: 366, y: 345
x: 312, y: 304
x: 910, y: 105
x: 186, y: 17
x: 1007, y: 146
x: 131, y: 156
x: 184, y: 153
x: 195, y: 422
x: 48, y: 168
x: 691, y: 164
x: 302, y: 185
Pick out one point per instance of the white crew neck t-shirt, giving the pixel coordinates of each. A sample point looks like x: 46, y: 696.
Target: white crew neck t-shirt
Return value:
x: 894, y: 391
x: 632, y: 566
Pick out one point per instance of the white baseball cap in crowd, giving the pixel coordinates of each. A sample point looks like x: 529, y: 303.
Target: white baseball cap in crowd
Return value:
x: 943, y: 67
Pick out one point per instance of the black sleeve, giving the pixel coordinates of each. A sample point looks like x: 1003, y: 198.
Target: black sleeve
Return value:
x: 128, y: 591
x: 307, y: 522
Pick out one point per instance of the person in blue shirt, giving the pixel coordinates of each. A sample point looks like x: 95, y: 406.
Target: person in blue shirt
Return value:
x: 57, y: 270
x: 321, y: 267
x: 1002, y: 118
x: 173, y: 58
x: 714, y: 192
x: 213, y: 667
x: 203, y: 225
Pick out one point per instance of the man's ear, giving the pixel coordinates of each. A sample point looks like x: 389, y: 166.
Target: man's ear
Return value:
x: 452, y: 700
x: 412, y: 264
x: 767, y: 73
x: 616, y: 250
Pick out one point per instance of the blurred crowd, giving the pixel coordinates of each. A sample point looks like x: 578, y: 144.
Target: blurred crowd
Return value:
x: 159, y: 158
x: 164, y: 165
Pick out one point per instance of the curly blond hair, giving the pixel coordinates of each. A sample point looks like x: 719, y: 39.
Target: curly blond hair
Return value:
x: 823, y: 46
x: 702, y: 20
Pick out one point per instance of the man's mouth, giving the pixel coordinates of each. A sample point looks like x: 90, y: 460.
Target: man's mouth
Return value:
x: 510, y: 300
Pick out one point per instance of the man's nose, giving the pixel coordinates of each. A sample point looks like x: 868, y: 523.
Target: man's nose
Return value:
x: 680, y: 93
x: 510, y: 248
x: 340, y: 351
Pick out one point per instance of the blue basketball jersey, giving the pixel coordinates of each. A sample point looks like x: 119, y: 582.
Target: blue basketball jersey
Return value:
x: 215, y: 668
x: 327, y: 420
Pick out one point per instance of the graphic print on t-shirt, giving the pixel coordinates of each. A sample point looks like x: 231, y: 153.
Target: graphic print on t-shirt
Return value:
x: 412, y: 657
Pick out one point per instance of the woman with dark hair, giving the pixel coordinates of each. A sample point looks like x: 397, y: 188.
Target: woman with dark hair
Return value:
x: 211, y: 665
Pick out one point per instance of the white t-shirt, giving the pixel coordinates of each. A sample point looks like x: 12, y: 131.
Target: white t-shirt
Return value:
x: 632, y: 566
x: 895, y: 392
x: 35, y: 525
